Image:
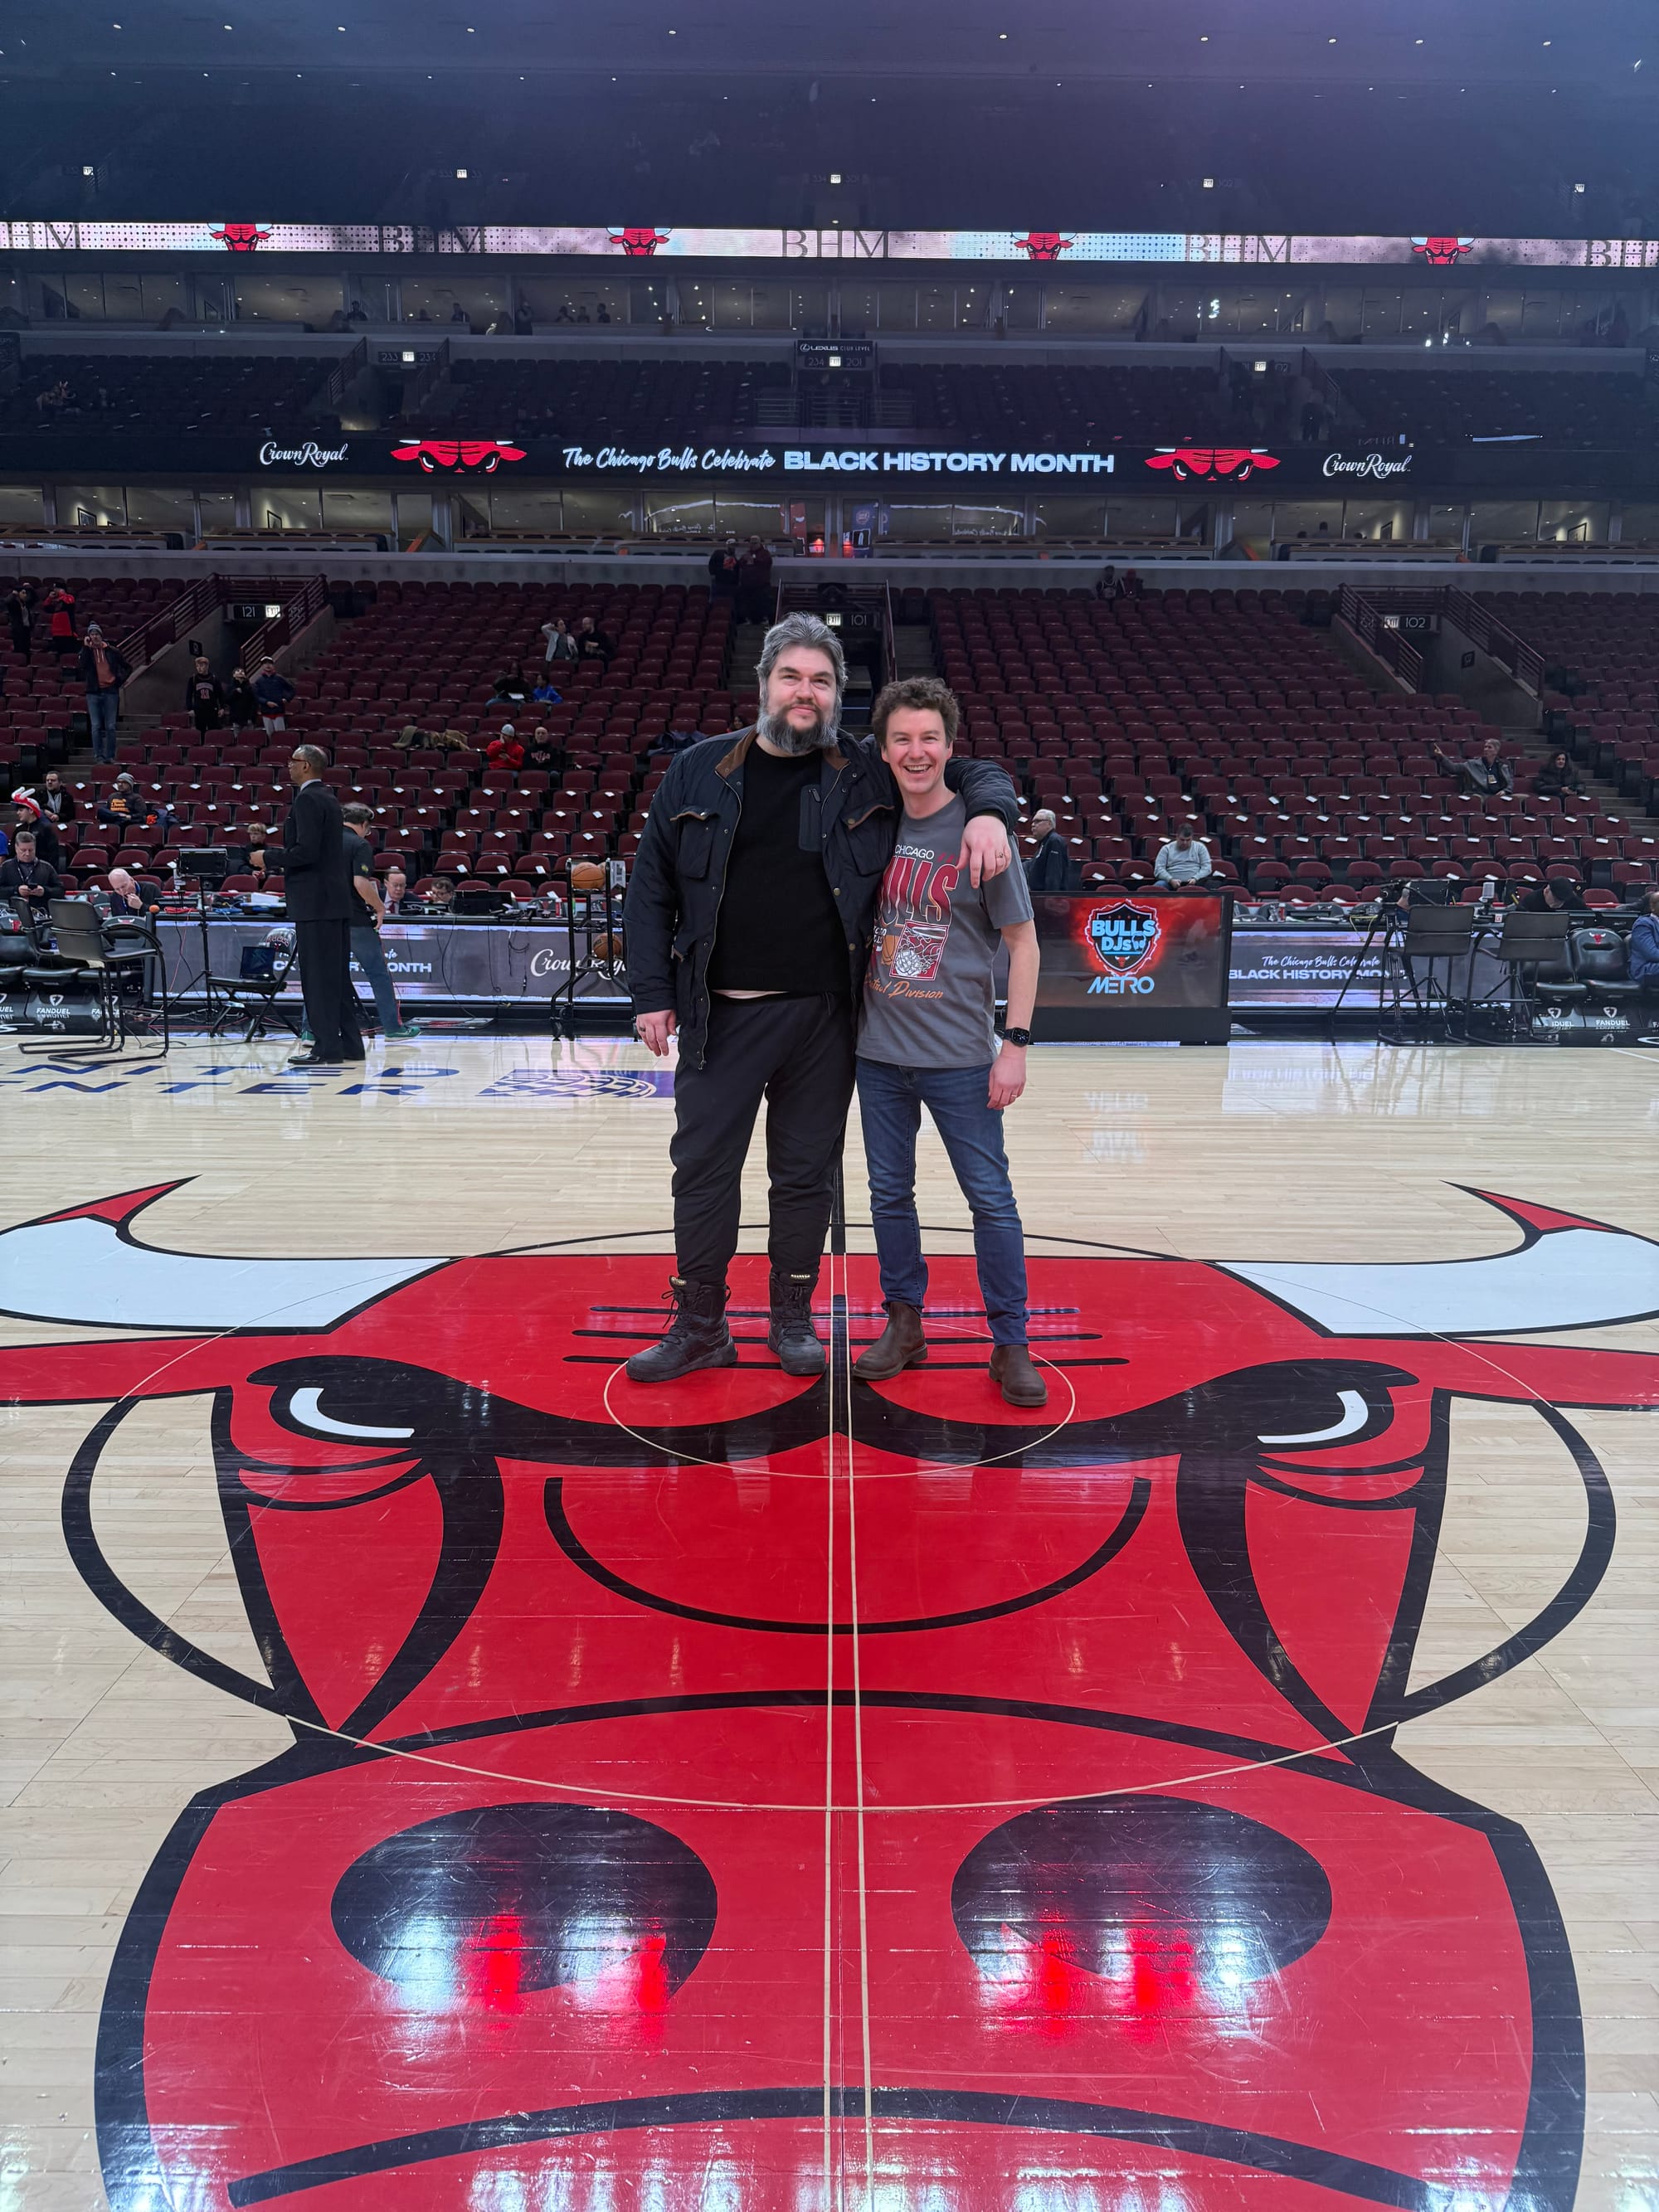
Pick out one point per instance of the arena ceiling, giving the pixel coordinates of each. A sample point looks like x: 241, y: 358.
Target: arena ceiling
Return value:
x: 1302, y: 114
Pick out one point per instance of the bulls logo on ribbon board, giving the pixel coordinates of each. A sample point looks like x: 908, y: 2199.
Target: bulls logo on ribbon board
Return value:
x: 1123, y: 937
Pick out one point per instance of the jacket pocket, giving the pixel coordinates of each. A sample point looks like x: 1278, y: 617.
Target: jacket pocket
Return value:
x: 694, y: 843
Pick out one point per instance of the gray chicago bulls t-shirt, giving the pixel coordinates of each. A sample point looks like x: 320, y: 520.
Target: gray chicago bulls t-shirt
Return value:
x: 929, y: 996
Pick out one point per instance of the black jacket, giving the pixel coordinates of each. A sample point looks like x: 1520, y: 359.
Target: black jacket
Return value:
x: 86, y: 668
x: 1050, y: 868
x: 679, y: 875
x: 317, y: 878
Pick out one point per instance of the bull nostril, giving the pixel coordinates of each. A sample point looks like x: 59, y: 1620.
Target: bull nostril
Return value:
x: 1111, y: 1885
x: 510, y: 1898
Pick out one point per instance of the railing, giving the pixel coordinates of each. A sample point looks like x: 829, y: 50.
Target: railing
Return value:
x: 301, y: 603
x: 1368, y: 620
x: 1483, y: 629
x: 299, y: 609
x: 142, y: 646
x: 340, y: 379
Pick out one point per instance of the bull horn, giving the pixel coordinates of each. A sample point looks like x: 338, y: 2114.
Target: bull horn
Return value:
x: 85, y: 1266
x: 1566, y: 1272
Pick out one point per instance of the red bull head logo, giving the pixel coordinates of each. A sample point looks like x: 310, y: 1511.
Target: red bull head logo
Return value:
x: 1042, y: 245
x: 1441, y: 252
x: 640, y: 243
x: 433, y: 453
x: 540, y: 1906
x: 1236, y: 461
x: 242, y: 237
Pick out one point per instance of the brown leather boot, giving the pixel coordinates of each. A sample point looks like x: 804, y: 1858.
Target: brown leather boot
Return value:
x: 1016, y: 1375
x: 900, y: 1345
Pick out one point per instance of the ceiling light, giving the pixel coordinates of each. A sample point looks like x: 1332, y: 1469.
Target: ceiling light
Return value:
x: 1203, y: 38
x: 1209, y: 184
x: 461, y: 173
x: 834, y: 176
x: 87, y: 170
x: 1578, y: 188
x: 1002, y: 35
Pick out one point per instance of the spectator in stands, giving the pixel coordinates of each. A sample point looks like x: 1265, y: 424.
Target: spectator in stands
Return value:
x: 543, y: 753
x: 60, y: 628
x: 1558, y: 896
x: 26, y: 879
x: 511, y: 687
x: 204, y: 696
x: 1050, y: 868
x: 1643, y: 946
x: 1183, y: 864
x: 367, y: 913
x: 592, y: 643
x: 755, y: 582
x: 122, y: 809
x: 273, y: 691
x: 5, y: 844
x: 241, y: 707
x: 545, y: 695
x: 1556, y: 778
x: 57, y: 804
x: 1129, y: 586
x: 19, y: 620
x: 440, y: 895
x: 725, y: 571
x: 48, y: 847
x: 561, y: 646
x: 102, y: 671
x: 505, y: 751
x: 1106, y: 582
x: 394, y: 890
x: 1485, y: 775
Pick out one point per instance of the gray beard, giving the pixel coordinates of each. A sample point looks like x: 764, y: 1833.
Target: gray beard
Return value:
x: 778, y: 734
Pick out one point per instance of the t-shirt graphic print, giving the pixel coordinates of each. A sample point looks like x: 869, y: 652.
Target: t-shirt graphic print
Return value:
x: 930, y: 992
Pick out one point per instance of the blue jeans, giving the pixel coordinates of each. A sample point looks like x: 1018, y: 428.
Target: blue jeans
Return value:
x: 369, y: 954
x: 100, y: 722
x: 891, y: 1100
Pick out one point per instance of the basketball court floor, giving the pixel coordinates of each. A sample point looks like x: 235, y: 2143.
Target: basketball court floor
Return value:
x: 440, y: 1774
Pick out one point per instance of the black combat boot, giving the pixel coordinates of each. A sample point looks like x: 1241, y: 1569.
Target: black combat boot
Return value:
x: 791, y: 1333
x: 696, y: 1337
x: 900, y: 1345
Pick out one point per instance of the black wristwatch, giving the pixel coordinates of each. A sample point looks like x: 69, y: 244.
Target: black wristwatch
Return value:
x: 1017, y: 1036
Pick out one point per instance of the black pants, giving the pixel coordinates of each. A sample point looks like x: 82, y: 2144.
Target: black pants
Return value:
x: 325, y: 950
x: 797, y: 1054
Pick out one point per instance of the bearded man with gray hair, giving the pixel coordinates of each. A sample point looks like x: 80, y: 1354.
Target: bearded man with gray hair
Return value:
x: 748, y: 919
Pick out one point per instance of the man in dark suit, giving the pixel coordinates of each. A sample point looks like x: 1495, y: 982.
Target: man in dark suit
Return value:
x: 318, y: 888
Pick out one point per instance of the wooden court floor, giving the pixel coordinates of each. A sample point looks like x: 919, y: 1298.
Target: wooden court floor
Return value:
x: 1298, y: 1847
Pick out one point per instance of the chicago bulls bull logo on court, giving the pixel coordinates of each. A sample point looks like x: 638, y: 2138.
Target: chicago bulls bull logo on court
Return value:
x: 598, y: 1693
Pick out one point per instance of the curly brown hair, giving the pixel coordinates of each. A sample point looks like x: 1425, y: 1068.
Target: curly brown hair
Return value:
x: 926, y: 692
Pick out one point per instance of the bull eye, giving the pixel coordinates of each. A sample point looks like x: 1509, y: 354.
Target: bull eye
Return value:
x: 1127, y: 1887
x: 484, y: 1905
x: 305, y: 1408
x: 1354, y: 1415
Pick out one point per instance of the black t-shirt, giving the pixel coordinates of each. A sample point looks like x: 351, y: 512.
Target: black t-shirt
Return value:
x: 779, y: 928
x: 361, y: 861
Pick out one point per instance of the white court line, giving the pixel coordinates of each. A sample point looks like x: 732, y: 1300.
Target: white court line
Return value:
x: 858, y: 1757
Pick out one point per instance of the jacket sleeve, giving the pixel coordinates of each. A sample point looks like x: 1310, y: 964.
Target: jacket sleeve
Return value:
x: 310, y: 823
x: 651, y: 909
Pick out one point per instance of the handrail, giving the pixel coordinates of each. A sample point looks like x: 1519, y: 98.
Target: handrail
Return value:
x: 300, y: 605
x: 340, y: 379
x: 299, y: 609
x: 1366, y: 618
x: 1483, y: 629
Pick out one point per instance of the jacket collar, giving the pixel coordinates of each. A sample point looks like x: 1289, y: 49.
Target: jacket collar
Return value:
x: 728, y: 762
